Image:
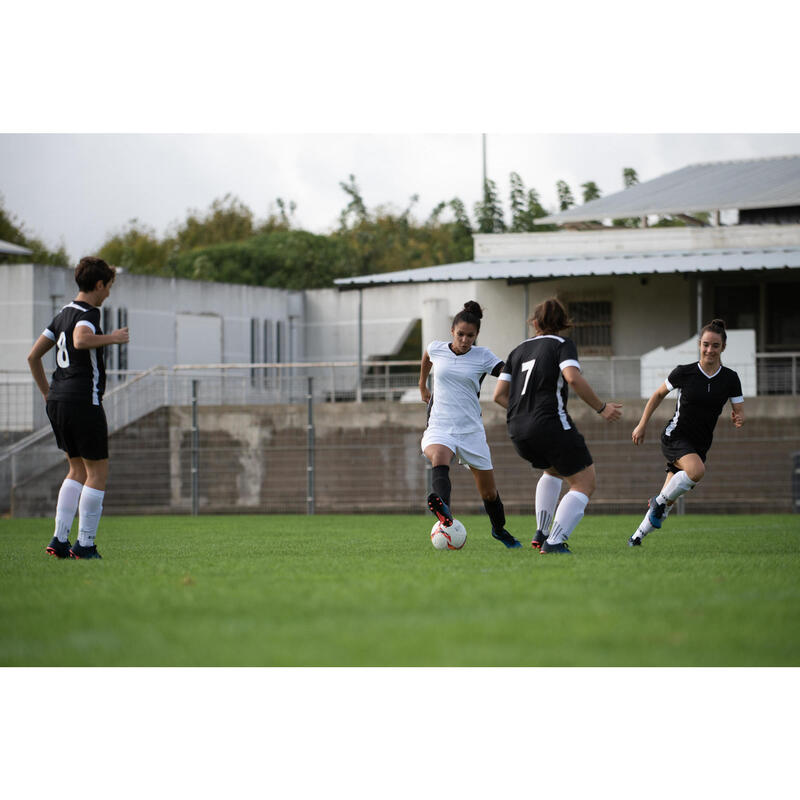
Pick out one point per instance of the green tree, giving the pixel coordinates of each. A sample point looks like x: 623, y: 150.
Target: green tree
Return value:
x: 629, y: 177
x: 591, y: 191
x: 519, y: 212
x: 565, y: 198
x: 137, y: 248
x: 227, y: 220
x: 489, y: 212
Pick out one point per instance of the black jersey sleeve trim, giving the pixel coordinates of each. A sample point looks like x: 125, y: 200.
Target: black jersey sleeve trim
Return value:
x: 497, y: 369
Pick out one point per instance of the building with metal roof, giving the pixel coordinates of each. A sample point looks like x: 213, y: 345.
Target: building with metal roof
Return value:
x: 749, y: 185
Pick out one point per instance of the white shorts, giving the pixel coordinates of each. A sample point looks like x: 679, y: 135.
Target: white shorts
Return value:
x: 471, y: 449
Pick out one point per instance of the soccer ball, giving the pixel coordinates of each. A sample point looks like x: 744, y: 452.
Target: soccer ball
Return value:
x: 452, y: 538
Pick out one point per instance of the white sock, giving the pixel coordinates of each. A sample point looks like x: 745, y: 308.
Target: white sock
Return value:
x: 679, y: 484
x: 645, y: 526
x: 547, y: 491
x: 568, y: 514
x: 68, y: 496
x: 91, y: 507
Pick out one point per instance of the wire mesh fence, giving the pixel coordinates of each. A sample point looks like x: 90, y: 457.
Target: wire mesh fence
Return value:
x: 254, y: 442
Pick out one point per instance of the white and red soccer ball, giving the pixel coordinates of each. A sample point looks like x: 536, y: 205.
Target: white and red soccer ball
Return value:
x: 450, y: 538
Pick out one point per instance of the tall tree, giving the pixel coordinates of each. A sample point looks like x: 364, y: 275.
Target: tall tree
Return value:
x: 356, y: 208
x: 227, y: 220
x: 565, y: 198
x: 489, y: 212
x: 519, y: 212
x: 591, y: 191
x: 138, y: 249
x: 629, y: 177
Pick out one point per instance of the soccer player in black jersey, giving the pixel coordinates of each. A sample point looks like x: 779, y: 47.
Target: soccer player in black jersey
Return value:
x: 533, y: 387
x: 703, y: 389
x: 74, y: 405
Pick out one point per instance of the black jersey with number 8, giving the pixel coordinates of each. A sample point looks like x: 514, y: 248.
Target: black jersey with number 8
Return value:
x: 80, y: 375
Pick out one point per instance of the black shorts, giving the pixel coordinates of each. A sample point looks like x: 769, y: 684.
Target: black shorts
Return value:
x: 564, y: 451
x: 80, y: 429
x: 673, y: 449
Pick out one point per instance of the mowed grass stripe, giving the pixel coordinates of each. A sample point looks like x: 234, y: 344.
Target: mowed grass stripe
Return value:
x: 371, y: 591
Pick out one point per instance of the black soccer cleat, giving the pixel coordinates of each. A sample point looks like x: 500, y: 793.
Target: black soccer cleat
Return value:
x: 506, y: 538
x: 538, y: 540
x: 656, y: 514
x: 561, y: 547
x: 440, y: 509
x: 79, y: 551
x: 634, y: 541
x: 57, y: 548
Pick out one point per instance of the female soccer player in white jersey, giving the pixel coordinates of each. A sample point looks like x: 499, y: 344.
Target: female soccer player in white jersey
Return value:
x: 455, y: 426
x: 533, y: 388
x: 703, y: 389
x: 75, y: 405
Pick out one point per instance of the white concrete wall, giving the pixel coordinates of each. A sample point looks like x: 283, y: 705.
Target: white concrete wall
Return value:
x: 501, y: 246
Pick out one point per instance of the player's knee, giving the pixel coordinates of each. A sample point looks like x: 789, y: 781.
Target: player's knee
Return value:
x: 696, y: 472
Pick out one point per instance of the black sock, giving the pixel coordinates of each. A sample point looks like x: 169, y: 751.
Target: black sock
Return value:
x: 441, y: 482
x: 494, y: 508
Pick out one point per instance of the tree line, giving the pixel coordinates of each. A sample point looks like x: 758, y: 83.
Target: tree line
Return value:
x: 227, y: 243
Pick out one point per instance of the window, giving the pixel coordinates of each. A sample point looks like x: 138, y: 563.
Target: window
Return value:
x: 108, y: 326
x: 279, y: 342
x: 783, y: 320
x: 591, y: 326
x: 122, y: 350
x: 737, y: 305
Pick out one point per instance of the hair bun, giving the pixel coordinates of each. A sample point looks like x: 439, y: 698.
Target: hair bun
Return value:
x: 718, y: 322
x: 473, y: 308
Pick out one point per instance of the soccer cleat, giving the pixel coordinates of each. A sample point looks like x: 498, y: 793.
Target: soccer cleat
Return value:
x: 57, y: 548
x: 506, y: 538
x: 561, y: 547
x: 634, y: 541
x: 656, y: 512
x: 79, y: 551
x: 440, y: 509
x: 538, y: 540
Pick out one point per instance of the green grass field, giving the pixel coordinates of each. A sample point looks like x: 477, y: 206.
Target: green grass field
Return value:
x: 371, y: 591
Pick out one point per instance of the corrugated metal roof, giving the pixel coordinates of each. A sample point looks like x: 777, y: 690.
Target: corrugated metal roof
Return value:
x: 567, y: 267
x: 751, y: 183
x: 13, y: 249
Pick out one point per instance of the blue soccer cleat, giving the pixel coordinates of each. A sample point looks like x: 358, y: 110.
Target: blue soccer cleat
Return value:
x: 561, y: 548
x: 634, y: 542
x: 440, y: 509
x: 538, y: 540
x: 506, y: 538
x: 79, y: 551
x: 656, y: 514
x: 58, y: 549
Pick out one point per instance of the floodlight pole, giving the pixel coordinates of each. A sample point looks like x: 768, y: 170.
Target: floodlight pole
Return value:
x: 310, y: 458
x: 699, y: 304
x: 360, y: 344
x: 483, y: 185
x: 195, y: 449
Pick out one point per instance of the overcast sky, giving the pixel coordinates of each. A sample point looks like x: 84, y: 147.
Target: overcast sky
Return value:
x: 79, y: 188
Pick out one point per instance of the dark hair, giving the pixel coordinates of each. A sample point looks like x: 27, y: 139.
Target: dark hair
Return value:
x: 715, y: 326
x: 550, y: 316
x: 471, y: 314
x: 90, y: 270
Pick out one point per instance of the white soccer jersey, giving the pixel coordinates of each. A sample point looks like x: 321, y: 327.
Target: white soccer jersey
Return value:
x: 455, y: 405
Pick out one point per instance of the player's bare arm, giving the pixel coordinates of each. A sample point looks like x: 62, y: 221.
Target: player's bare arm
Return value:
x: 84, y: 339
x: 737, y: 414
x: 424, y: 370
x: 652, y: 404
x: 610, y: 412
x: 40, y: 347
x: 501, y: 393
